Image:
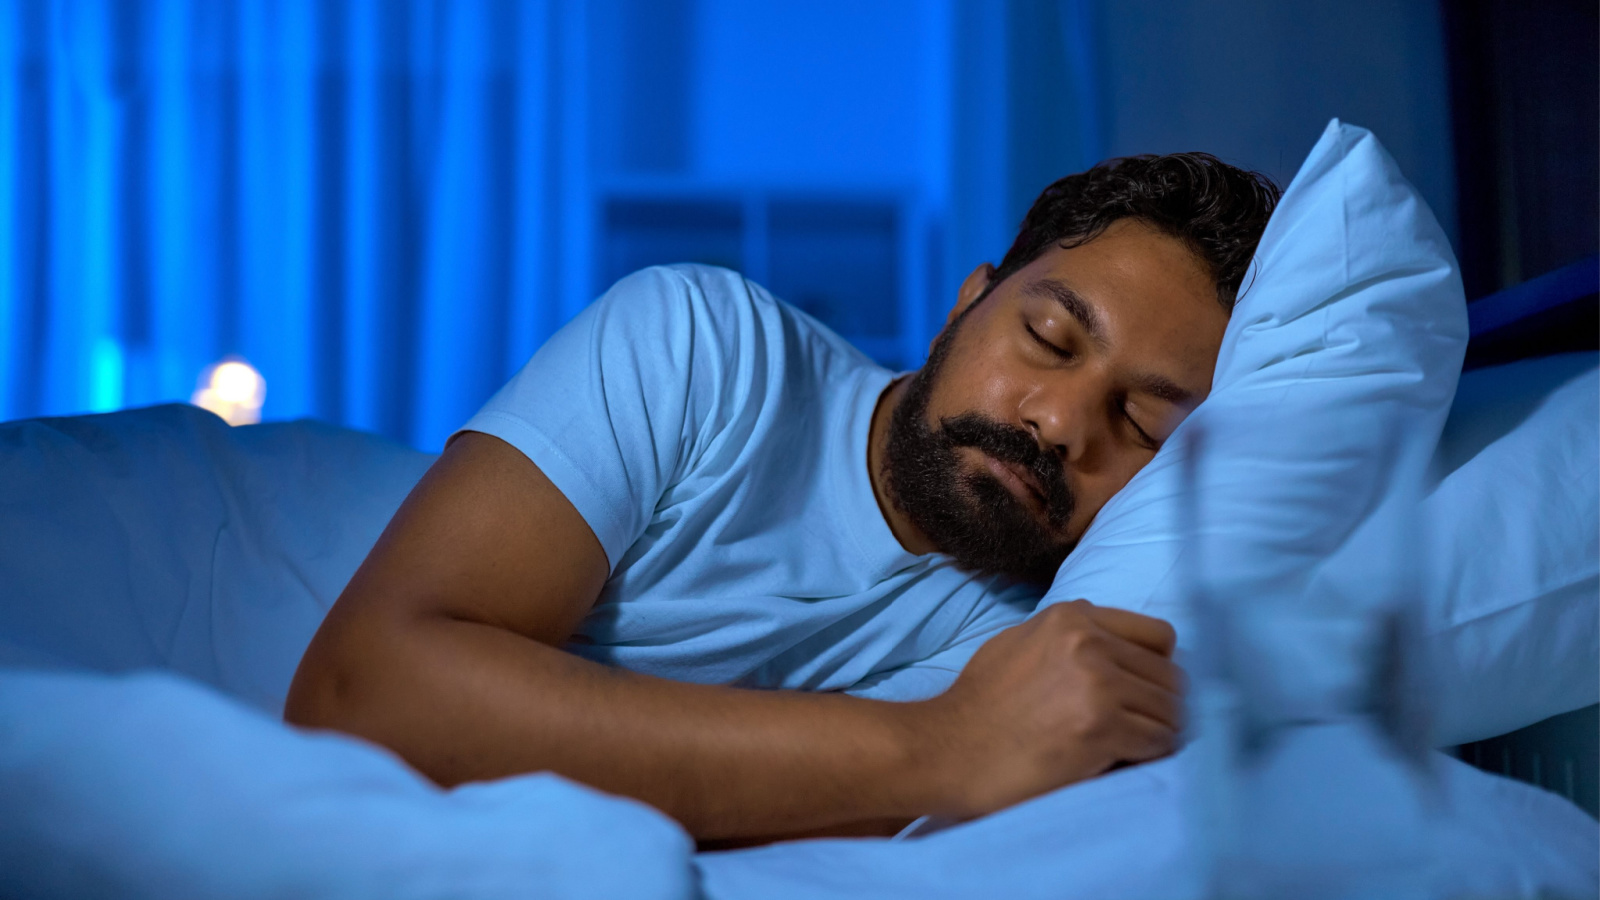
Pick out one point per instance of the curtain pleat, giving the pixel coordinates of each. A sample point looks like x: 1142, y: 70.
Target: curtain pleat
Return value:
x: 353, y: 196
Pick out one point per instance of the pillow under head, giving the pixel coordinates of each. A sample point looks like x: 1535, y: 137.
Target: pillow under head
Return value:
x: 1340, y: 360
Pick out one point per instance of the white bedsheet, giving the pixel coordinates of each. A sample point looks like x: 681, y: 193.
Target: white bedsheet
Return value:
x: 151, y: 786
x: 1129, y: 835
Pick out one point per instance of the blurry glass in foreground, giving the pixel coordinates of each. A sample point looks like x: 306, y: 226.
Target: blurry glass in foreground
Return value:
x: 1311, y: 773
x: 232, y: 389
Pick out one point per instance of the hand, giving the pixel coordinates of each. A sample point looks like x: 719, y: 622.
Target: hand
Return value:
x: 1060, y: 698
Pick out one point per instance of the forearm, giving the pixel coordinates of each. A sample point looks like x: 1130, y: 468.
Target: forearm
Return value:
x: 463, y: 701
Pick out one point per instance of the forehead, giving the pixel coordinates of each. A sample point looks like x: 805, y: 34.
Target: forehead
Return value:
x: 1152, y: 297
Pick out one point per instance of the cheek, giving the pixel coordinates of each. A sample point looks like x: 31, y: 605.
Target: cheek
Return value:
x: 1097, y: 489
x: 980, y: 379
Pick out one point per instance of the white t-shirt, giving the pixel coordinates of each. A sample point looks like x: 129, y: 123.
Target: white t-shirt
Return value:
x: 715, y: 440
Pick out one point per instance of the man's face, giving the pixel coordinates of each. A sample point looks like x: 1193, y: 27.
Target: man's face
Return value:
x: 1043, y: 400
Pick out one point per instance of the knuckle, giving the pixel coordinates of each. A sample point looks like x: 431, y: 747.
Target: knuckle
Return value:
x: 1058, y: 615
x: 1169, y: 635
x: 1080, y: 642
x: 1097, y: 721
x: 1072, y: 610
x: 1089, y: 729
x: 1100, y: 681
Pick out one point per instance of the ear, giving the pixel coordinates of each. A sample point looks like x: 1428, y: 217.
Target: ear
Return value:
x: 971, y: 289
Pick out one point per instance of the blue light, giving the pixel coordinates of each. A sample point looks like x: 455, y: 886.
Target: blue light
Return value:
x: 106, y: 373
x: 388, y: 205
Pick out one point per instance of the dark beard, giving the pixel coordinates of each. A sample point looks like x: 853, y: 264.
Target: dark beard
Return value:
x: 972, y: 517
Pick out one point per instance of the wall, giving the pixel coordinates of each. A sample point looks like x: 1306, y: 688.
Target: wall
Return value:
x: 387, y: 205
x: 1255, y: 81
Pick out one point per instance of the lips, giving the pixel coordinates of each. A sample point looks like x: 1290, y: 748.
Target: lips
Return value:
x: 1018, y: 480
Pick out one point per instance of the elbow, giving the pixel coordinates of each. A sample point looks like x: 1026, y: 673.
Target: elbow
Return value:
x: 318, y: 693
x: 347, y: 682
x: 330, y: 688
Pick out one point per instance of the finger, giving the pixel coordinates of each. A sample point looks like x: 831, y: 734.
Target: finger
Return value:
x: 1143, y: 698
x: 1144, y: 739
x: 1146, y: 631
x: 1148, y: 665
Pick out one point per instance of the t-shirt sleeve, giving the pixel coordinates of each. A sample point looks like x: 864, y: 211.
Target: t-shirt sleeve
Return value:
x: 932, y: 676
x: 617, y: 405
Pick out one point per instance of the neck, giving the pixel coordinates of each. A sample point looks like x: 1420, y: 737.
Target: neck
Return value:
x: 907, y: 533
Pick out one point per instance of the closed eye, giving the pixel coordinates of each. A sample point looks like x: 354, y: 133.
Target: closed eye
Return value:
x: 1058, y: 351
x: 1149, y: 442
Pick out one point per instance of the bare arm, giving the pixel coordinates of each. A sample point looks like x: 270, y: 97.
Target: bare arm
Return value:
x: 445, y: 648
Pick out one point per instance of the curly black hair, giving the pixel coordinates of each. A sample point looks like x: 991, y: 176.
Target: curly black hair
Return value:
x: 1218, y: 210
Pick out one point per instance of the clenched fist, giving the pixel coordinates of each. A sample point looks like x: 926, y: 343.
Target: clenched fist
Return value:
x: 1062, y: 697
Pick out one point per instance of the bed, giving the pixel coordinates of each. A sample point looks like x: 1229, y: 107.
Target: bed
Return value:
x: 206, y: 655
x: 163, y: 572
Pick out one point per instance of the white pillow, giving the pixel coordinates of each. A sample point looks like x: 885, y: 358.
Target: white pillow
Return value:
x: 1512, y: 604
x: 1501, y: 553
x: 1341, y: 358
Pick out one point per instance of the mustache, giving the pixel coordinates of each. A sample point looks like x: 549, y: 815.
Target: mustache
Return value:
x: 1013, y: 445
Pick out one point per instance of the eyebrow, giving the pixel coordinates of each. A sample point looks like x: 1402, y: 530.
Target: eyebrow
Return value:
x: 1073, y: 303
x: 1088, y: 317
x: 1164, y: 389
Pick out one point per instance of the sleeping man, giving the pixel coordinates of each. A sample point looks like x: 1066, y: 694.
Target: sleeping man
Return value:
x: 702, y: 552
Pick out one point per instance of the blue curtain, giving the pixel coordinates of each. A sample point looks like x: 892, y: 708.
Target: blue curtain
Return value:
x: 386, y: 206
x: 352, y: 196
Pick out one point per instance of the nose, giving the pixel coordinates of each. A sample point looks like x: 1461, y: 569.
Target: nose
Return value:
x: 1070, y: 416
